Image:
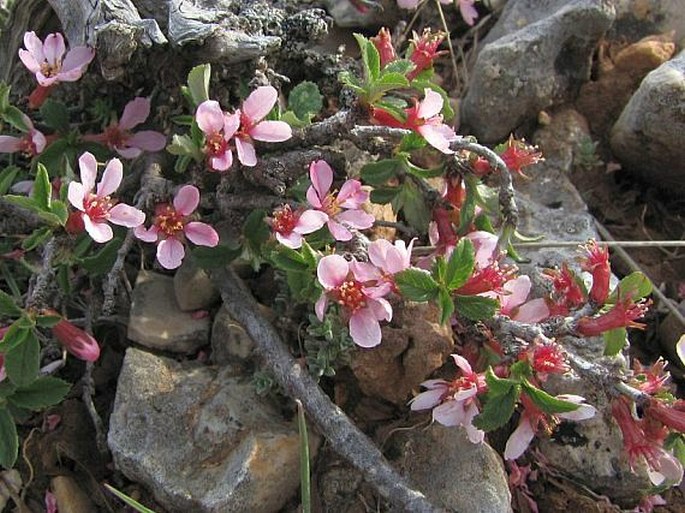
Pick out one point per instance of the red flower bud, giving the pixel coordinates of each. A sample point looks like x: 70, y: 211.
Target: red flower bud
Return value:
x: 596, y: 262
x: 38, y: 96
x: 423, y: 51
x: 622, y: 315
x: 79, y: 343
x: 383, y: 43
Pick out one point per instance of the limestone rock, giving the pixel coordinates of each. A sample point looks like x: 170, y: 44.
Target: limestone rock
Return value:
x: 539, y: 65
x: 200, y: 439
x: 636, y: 19
x: 157, y: 322
x: 71, y: 498
x: 647, y: 138
x: 414, y: 345
x: 193, y: 288
x: 230, y: 341
x: 453, y: 472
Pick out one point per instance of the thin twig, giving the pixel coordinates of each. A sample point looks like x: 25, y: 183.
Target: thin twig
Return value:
x: 449, y: 41
x: 88, y: 393
x: 331, y: 421
x: 37, y: 297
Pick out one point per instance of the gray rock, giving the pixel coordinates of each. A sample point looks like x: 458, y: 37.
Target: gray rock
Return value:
x: 230, y: 341
x: 200, y: 439
x: 345, y: 14
x: 636, y: 19
x: 453, y: 472
x: 647, y: 138
x: 542, y: 64
x: 193, y: 288
x: 157, y: 322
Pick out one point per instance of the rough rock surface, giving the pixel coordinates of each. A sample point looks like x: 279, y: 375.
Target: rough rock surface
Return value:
x: 647, y: 138
x: 230, y: 341
x: 157, y: 322
x: 636, y: 19
x: 193, y: 288
x: 542, y: 64
x: 452, y: 471
x: 414, y: 345
x: 199, y: 439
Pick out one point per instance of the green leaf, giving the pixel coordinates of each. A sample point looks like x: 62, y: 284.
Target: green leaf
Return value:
x: 7, y: 177
x: 378, y: 173
x: 23, y: 361
x: 460, y: 265
x: 476, y: 308
x: 468, y: 209
x: 416, y: 285
x: 289, y: 260
x: 498, y: 386
x: 391, y: 107
x: 16, y: 118
x: 411, y: 142
x: 383, y: 195
x: 37, y: 237
x: 423, y: 173
x: 446, y: 305
x: 415, y: 210
x: 498, y: 409
x: 8, y: 307
x: 614, y: 341
x: 289, y: 117
x: 546, y: 402
x: 4, y: 96
x: 389, y: 81
x: 402, y: 66
x: 15, y: 335
x: 47, y: 321
x: 55, y: 115
x: 102, y: 261
x: 182, y: 163
x: 305, y: 100
x: 305, y: 483
x: 43, y: 392
x: 59, y: 209
x: 42, y: 188
x: 6, y: 388
x: 635, y: 286
x: 216, y: 257
x: 370, y: 57
x: 352, y: 82
x: 9, y: 441
x: 128, y: 500
x: 255, y: 230
x: 198, y: 83
x: 520, y: 370
x: 30, y: 204
x: 184, y: 145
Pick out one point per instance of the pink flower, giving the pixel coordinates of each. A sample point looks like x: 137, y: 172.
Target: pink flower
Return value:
x: 342, y: 211
x: 425, y: 119
x: 254, y: 110
x: 344, y: 283
x: 218, y: 128
x: 48, y: 62
x: 596, y: 262
x: 99, y: 208
x: 78, y: 342
x: 173, y: 224
x: 31, y: 144
x: 289, y: 226
x: 118, y: 135
x: 468, y: 11
x: 390, y: 259
x: 454, y: 403
x: 50, y: 502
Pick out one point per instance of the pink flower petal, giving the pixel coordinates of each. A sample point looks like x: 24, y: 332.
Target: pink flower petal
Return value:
x: 29, y: 61
x: 135, y: 113
x: 310, y: 221
x: 468, y: 11
x: 209, y: 117
x: 356, y: 219
x: 126, y: 215
x: 186, y: 200
x: 259, y: 103
x: 170, y: 253
x: 54, y: 48
x: 129, y: 152
x: 75, y: 63
x: 38, y: 140
x: 519, y: 440
x: 222, y: 162
x: 271, y: 131
x: 231, y: 124
x: 364, y: 328
x: 436, y: 137
x: 320, y: 306
x: 475, y: 435
x: 407, y: 4
x: 381, y: 308
x: 111, y: 178
x: 246, y: 152
x: 332, y: 271
x: 146, y: 235
x: 34, y: 45
x: 89, y: 170
x: 9, y: 144
x: 321, y: 175
x: 293, y: 240
x: 584, y: 411
x: 462, y: 363
x: 517, y: 289
x: 427, y: 399
x: 201, y: 234
x: 485, y: 245
x: 76, y: 194
x: 363, y: 271
x: 669, y: 470
x: 99, y: 232
x: 352, y: 195
x: 533, y: 311
x: 338, y: 231
x: 450, y: 413
x: 431, y: 105
x: 148, y: 140
x: 313, y: 197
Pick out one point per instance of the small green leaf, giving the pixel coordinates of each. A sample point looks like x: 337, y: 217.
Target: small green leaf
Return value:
x: 102, y: 261
x: 468, y: 209
x: 378, y: 173
x: 411, y: 142
x: 370, y: 57
x: 460, y: 265
x: 634, y: 286
x: 498, y: 386
x: 9, y: 441
x: 8, y: 307
x: 184, y: 145
x: 614, y: 341
x: 289, y: 260
x: 547, y: 402
x: 43, y: 392
x: 520, y: 369
x: 128, y: 500
x: 255, y: 230
x: 55, y: 115
x: 7, y: 177
x: 16, y: 118
x: 401, y: 66
x: 352, y: 82
x: 15, y: 335
x: 182, y: 163
x: 416, y: 285
x: 423, y: 173
x: 414, y: 208
x: 305, y: 100
x: 37, y: 237
x: 498, y: 409
x: 47, y: 321
x: 389, y: 81
x: 383, y: 195
x: 59, y: 209
x: 446, y: 305
x: 198, y: 83
x: 4, y: 96
x: 216, y: 257
x: 476, y: 308
x: 23, y: 361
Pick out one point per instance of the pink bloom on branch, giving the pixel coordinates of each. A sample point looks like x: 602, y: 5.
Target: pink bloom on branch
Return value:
x: 342, y: 211
x: 77, y: 341
x: 173, y: 224
x: 118, y: 135
x: 254, y: 110
x: 344, y: 283
x: 98, y: 208
x: 31, y: 144
x: 218, y: 127
x: 390, y: 259
x: 48, y: 60
x: 289, y: 226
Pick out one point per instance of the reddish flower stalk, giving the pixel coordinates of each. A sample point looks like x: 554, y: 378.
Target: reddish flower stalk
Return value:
x: 636, y: 441
x: 383, y: 43
x: 672, y: 415
x: 596, y: 262
x: 622, y: 315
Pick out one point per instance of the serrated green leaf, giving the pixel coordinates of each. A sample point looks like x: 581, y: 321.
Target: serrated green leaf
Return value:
x: 476, y: 308
x: 8, y: 307
x: 352, y: 82
x: 9, y: 441
x: 383, y: 195
x: 23, y: 361
x: 42, y: 188
x: 391, y: 108
x: 198, y: 83
x: 614, y: 341
x: 37, y: 237
x: 416, y: 285
x: 43, y: 392
x: 378, y: 173
x: 184, y: 145
x: 446, y: 305
x: 216, y: 257
x: 388, y: 82
x: 289, y: 260
x: 16, y: 118
x: 520, y: 370
x: 305, y: 100
x: 55, y: 115
x: 460, y: 265
x: 498, y: 409
x: 414, y: 208
x: 370, y: 57
x: 401, y: 66
x: 546, y: 402
x: 411, y: 142
x: 23, y: 202
x: 7, y: 177
x: 59, y: 209
x: 635, y: 286
x: 102, y: 261
x: 302, y: 287
x: 57, y: 154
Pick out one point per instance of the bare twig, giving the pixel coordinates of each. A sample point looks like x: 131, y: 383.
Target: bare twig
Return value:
x: 37, y: 297
x: 89, y: 392
x: 344, y: 436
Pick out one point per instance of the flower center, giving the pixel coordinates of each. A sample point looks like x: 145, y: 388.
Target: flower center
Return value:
x: 330, y: 205
x: 284, y: 220
x: 97, y: 209
x: 216, y: 144
x: 168, y: 221
x: 49, y: 69
x: 28, y: 147
x: 114, y: 137
x: 351, y: 296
